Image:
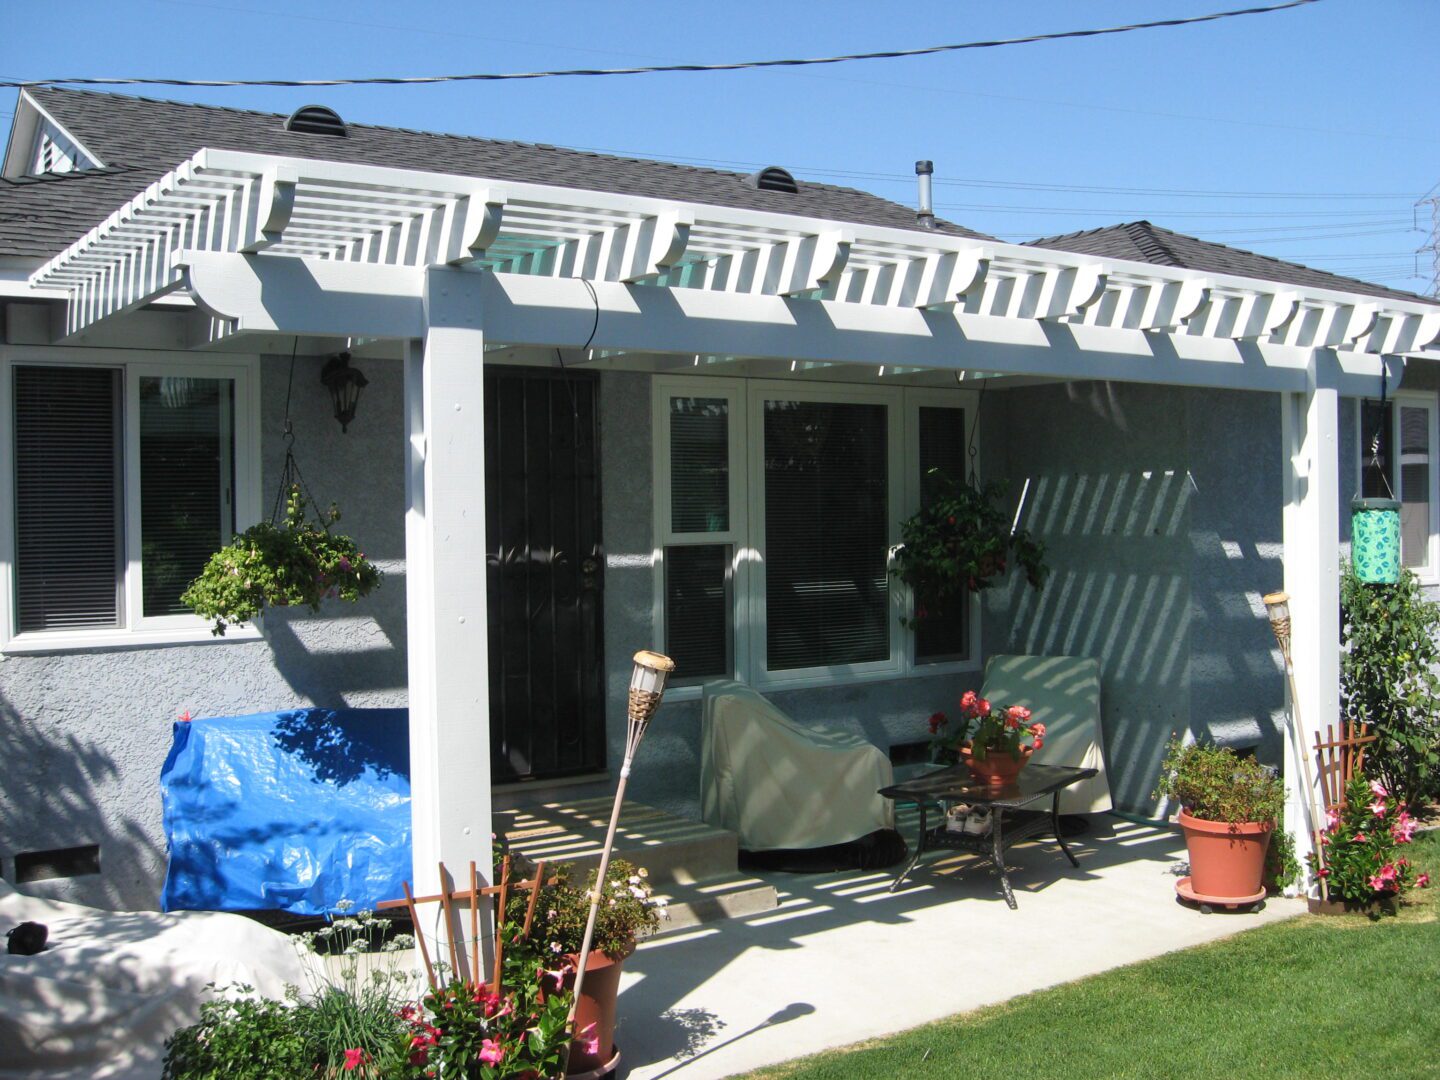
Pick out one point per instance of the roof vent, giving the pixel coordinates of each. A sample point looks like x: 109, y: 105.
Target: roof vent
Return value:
x: 773, y: 178
x: 316, y: 120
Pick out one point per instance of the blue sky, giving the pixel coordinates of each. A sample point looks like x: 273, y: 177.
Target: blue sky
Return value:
x: 1327, y: 108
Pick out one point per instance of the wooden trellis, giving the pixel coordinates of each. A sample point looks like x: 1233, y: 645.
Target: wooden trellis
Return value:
x: 1341, y: 759
x: 448, y: 897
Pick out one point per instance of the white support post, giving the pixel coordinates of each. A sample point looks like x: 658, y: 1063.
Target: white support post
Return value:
x: 1310, y: 447
x: 445, y: 590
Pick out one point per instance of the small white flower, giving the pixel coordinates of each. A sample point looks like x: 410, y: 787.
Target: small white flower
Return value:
x: 638, y: 894
x: 634, y: 879
x: 555, y: 946
x: 344, y: 905
x: 643, y: 872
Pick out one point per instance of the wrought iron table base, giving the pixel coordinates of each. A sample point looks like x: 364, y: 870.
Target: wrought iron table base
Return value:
x: 1022, y: 825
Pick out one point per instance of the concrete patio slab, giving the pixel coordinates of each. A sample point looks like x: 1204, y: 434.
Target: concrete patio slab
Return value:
x: 843, y: 959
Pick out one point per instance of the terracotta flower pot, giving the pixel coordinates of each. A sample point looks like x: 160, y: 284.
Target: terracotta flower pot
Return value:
x: 997, y: 768
x: 594, y: 1043
x: 1225, y: 859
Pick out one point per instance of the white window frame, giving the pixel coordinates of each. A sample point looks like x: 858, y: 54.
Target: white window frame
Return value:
x: 1429, y: 573
x: 746, y: 535
x: 137, y: 629
x: 737, y: 536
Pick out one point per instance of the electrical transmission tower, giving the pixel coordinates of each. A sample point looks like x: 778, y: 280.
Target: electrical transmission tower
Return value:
x: 1431, y: 203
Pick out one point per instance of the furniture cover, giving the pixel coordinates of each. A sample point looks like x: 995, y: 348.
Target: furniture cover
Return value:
x: 112, y: 986
x: 1063, y: 693
x: 780, y: 785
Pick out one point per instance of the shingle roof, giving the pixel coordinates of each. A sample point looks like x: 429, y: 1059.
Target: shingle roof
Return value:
x: 150, y: 137
x: 1144, y: 242
x: 40, y: 215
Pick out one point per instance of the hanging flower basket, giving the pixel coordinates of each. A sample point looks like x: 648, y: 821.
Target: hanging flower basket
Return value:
x: 297, y: 562
x: 962, y: 542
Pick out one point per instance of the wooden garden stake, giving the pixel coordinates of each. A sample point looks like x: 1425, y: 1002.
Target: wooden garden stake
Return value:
x: 500, y: 924
x: 534, y: 898
x: 456, y: 971
x: 419, y: 934
x: 474, y: 925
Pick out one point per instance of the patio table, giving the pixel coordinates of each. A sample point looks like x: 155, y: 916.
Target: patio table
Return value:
x: 1010, y: 820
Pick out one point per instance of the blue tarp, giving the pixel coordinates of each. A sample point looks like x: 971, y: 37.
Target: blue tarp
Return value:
x: 287, y: 811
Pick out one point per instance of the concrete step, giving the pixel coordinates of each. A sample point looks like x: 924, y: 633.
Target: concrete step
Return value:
x: 671, y: 849
x: 693, y: 866
x: 728, y: 897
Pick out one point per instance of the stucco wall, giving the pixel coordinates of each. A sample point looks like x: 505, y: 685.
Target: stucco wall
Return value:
x: 1160, y: 511
x: 83, y: 735
x: 1160, y: 508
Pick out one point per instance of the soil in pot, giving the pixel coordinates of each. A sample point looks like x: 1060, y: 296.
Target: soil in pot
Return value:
x: 1226, y: 859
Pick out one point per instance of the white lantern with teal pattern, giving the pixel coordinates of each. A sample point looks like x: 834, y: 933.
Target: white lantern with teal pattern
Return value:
x: 1375, y: 540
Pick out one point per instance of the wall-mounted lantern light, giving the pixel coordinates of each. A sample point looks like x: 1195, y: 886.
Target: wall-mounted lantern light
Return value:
x: 344, y: 383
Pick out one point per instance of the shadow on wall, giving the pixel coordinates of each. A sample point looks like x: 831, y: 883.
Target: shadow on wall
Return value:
x: 51, y: 776
x: 1154, y: 552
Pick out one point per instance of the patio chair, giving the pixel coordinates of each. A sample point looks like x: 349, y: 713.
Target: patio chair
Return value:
x: 1063, y: 693
x: 785, y: 787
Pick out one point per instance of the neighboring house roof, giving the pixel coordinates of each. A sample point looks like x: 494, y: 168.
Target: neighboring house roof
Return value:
x: 40, y: 215
x: 150, y: 137
x: 1144, y: 242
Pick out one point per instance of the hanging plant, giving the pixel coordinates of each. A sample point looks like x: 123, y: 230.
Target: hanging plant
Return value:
x: 295, y: 562
x: 962, y: 542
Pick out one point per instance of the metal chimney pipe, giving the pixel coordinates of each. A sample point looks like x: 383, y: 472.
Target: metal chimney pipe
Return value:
x: 926, y: 214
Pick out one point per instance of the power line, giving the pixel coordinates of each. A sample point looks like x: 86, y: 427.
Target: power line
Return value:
x: 747, y: 65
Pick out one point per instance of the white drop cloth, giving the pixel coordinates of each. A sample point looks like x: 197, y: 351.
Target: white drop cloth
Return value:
x: 781, y: 785
x: 112, y: 986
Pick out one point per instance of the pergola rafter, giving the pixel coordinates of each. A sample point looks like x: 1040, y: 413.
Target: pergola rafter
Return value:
x: 226, y: 201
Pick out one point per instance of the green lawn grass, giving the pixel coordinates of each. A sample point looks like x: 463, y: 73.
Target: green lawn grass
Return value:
x: 1317, y: 996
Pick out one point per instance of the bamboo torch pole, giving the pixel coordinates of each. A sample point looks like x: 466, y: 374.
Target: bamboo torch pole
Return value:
x: 1277, y: 604
x: 647, y: 686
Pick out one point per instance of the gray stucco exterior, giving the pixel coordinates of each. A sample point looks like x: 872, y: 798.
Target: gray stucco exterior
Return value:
x: 1160, y: 509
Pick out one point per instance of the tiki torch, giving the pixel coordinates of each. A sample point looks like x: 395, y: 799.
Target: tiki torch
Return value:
x: 1277, y: 604
x: 647, y: 686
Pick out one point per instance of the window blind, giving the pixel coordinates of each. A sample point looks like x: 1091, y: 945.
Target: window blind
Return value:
x: 186, y: 508
x: 698, y: 627
x: 699, y: 465
x: 945, y: 631
x: 826, y: 534
x: 69, y: 550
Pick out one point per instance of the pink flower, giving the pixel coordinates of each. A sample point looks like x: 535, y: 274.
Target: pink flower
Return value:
x: 1384, y: 881
x: 1404, y: 829
x: 982, y: 707
x: 1038, y: 730
x: 354, y: 1059
x: 1018, y: 713
x: 185, y: 717
x: 967, y: 703
x: 937, y: 721
x: 1423, y: 881
x: 1359, y: 838
x: 1378, y: 808
x: 491, y: 1053
x: 590, y: 1041
x: 1332, y: 818
x: 1378, y: 789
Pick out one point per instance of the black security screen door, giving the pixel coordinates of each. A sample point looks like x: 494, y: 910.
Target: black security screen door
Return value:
x: 545, y: 572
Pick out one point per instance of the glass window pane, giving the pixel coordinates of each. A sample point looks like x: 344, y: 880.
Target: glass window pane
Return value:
x: 1414, y: 486
x: 699, y: 465
x: 69, y: 549
x: 186, y: 483
x: 698, y: 630
x: 943, y: 634
x: 826, y: 534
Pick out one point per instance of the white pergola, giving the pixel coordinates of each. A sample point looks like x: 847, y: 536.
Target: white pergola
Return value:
x: 448, y: 264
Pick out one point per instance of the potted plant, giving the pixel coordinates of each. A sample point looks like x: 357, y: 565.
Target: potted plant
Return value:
x: 1229, y: 807
x: 1362, y: 868
x: 990, y: 739
x: 628, y: 911
x: 299, y: 562
x: 961, y: 541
